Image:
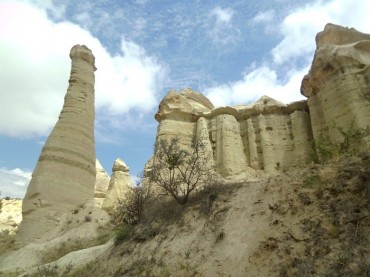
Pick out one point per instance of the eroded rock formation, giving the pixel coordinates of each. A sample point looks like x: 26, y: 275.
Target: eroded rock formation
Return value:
x: 337, y: 85
x: 266, y: 135
x: 64, y: 177
x: 101, y: 185
x: 119, y: 184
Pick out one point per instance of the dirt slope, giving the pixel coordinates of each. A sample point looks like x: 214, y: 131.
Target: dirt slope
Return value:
x: 311, y: 221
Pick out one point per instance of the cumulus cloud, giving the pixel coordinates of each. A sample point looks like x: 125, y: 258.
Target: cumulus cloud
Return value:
x: 260, y: 81
x: 14, y: 182
x: 281, y: 74
x: 299, y: 29
x: 35, y: 69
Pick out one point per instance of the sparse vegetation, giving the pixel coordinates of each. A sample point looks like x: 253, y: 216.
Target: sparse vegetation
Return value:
x: 332, y: 242
x: 123, y: 233
x: 52, y: 270
x: 69, y: 246
x: 177, y: 171
x: 6, y: 241
x: 349, y: 142
x: 130, y: 209
x: 335, y: 242
x: 312, y: 181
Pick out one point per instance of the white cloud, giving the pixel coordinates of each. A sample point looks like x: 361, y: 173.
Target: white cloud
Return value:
x: 222, y: 31
x: 301, y: 26
x: 127, y: 81
x: 222, y: 15
x: 35, y: 68
x: 56, y: 10
x: 14, y: 182
x: 291, y: 56
x: 264, y: 17
x: 260, y: 81
x: 84, y: 19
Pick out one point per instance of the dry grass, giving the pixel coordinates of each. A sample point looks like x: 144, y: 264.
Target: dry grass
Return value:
x: 105, y: 234
x: 331, y: 237
x: 6, y: 241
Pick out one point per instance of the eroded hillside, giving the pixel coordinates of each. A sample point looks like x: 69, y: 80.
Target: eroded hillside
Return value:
x: 310, y: 221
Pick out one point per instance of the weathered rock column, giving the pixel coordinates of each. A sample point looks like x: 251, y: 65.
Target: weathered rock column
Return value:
x: 230, y: 157
x: 203, y: 135
x: 101, y: 185
x: 64, y: 177
x: 119, y: 184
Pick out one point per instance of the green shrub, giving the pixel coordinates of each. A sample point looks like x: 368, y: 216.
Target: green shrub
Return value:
x: 349, y: 141
x: 312, y: 181
x: 125, y: 231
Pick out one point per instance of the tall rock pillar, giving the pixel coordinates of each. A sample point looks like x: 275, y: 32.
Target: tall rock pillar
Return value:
x: 64, y: 177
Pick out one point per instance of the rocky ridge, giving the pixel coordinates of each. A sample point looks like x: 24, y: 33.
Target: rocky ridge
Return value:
x: 266, y: 135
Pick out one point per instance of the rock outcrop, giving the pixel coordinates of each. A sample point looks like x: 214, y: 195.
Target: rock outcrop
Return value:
x: 64, y: 177
x: 119, y: 184
x: 101, y: 185
x: 266, y: 135
x: 10, y: 215
x: 337, y: 85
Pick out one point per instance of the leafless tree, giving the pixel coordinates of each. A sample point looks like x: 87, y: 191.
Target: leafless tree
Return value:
x: 178, y: 171
x: 130, y: 209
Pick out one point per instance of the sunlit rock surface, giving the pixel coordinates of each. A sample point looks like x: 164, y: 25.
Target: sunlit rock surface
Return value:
x: 64, y: 177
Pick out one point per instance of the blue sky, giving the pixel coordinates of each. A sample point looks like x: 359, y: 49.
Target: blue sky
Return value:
x: 232, y: 51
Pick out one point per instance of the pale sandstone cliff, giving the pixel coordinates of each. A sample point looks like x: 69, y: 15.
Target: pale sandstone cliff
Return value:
x: 64, y: 177
x: 119, y: 184
x: 337, y: 85
x: 266, y: 135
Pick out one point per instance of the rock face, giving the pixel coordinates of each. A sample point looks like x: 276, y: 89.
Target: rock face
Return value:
x: 266, y: 135
x: 337, y: 85
x: 119, y: 184
x: 101, y: 185
x: 64, y: 177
